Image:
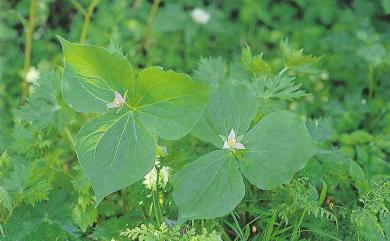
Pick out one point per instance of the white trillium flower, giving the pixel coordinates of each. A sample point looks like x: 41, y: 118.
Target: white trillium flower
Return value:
x: 118, y: 101
x: 232, y: 142
x: 150, y: 180
x: 200, y: 16
x: 32, y: 75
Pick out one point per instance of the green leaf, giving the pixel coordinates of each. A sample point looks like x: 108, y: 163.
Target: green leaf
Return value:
x: 168, y: 103
x: 296, y: 60
x: 47, y: 221
x: 118, y: 149
x: 210, y: 70
x: 44, y: 102
x: 254, y: 64
x: 229, y: 107
x: 281, y: 87
x: 92, y: 75
x: 209, y: 187
x: 115, y: 150
x: 276, y: 148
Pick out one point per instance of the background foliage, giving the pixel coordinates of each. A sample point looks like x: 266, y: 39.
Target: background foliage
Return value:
x: 343, y: 193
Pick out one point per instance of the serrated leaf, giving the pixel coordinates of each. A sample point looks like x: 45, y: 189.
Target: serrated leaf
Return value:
x: 208, y: 187
x: 43, y: 102
x: 115, y: 150
x: 210, y: 70
x: 92, y: 75
x: 276, y: 148
x: 229, y: 107
x: 296, y: 60
x: 47, y: 221
x: 168, y: 103
x: 254, y: 64
x: 84, y: 217
x: 281, y: 87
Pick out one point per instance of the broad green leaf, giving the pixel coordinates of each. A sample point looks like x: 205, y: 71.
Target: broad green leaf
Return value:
x: 229, y: 107
x: 115, y: 150
x: 168, y: 103
x: 276, y: 148
x: 91, y: 75
x: 209, y: 187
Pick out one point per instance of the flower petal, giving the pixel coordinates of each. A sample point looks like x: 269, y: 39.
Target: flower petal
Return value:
x: 232, y: 135
x: 226, y: 145
x: 111, y: 105
x: 238, y: 145
x: 119, y: 97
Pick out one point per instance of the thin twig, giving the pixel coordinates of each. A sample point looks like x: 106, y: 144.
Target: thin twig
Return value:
x: 87, y: 18
x: 28, y: 47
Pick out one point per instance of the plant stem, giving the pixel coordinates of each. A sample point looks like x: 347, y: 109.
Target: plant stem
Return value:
x: 70, y: 137
x: 155, y: 208
x: 78, y: 6
x: 87, y: 18
x: 148, y: 28
x: 371, y: 81
x: 28, y: 47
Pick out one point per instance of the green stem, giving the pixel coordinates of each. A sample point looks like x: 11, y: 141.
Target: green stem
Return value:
x: 87, y: 19
x: 28, y: 47
x: 155, y: 208
x: 78, y: 6
x: 371, y: 81
x: 124, y: 200
x: 148, y: 28
x: 70, y: 136
x: 158, y: 193
x: 296, y: 231
x: 283, y: 70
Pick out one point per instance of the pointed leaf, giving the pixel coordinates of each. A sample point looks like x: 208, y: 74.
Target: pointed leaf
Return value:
x: 169, y: 103
x: 230, y: 107
x: 276, y: 148
x: 115, y: 150
x: 91, y: 75
x: 209, y: 187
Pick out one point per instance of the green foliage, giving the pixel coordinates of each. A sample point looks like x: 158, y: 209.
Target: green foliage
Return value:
x: 370, y: 221
x: 166, y: 104
x: 280, y: 87
x: 279, y: 138
x: 165, y: 233
x: 296, y: 60
x: 340, y: 194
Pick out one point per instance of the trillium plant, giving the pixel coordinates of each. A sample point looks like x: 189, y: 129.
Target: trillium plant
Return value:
x: 118, y: 147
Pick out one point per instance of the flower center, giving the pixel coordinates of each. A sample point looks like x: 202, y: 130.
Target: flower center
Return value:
x: 117, y: 102
x: 232, y: 142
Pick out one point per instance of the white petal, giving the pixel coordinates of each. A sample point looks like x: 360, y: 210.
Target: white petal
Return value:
x: 232, y: 135
x: 111, y: 105
x: 119, y: 97
x: 238, y: 145
x: 226, y: 145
